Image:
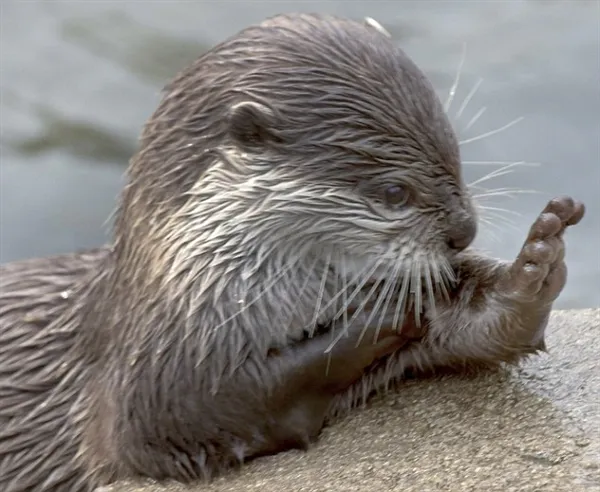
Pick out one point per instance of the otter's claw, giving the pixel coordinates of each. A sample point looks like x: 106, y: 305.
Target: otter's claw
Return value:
x: 539, y: 273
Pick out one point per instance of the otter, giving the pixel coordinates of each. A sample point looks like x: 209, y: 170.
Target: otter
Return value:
x: 295, y: 233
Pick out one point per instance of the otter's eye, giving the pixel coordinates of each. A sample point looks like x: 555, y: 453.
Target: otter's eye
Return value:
x: 395, y: 195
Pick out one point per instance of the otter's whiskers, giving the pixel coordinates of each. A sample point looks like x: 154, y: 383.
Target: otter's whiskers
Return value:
x: 364, y: 275
x: 405, y: 282
x: 386, y: 294
x: 468, y: 98
x: 324, y: 276
x: 506, y: 169
x: 454, y: 86
x: 505, y: 192
x: 475, y: 118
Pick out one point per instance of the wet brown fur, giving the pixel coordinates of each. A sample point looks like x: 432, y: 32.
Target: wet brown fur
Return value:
x: 105, y: 371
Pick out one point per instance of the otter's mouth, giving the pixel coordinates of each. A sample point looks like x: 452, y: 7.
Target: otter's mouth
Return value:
x: 388, y: 289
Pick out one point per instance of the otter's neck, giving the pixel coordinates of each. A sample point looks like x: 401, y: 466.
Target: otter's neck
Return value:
x: 215, y: 292
x: 218, y: 263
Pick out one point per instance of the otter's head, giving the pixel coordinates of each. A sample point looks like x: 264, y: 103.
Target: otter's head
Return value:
x: 302, y: 135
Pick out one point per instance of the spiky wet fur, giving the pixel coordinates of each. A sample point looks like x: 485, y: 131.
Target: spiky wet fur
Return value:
x: 223, y: 251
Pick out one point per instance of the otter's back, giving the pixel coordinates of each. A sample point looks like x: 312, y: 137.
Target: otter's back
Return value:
x: 38, y: 387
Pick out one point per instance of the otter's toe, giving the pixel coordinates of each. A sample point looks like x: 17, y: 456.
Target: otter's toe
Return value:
x: 547, y: 224
x: 578, y: 214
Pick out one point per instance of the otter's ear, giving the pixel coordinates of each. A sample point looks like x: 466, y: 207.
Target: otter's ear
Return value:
x: 251, y: 123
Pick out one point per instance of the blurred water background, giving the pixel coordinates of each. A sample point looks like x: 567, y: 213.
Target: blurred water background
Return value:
x: 79, y: 78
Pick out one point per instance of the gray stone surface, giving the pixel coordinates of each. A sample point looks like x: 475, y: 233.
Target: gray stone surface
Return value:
x: 533, y: 429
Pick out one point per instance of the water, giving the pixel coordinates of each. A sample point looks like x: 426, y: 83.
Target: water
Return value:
x: 79, y: 79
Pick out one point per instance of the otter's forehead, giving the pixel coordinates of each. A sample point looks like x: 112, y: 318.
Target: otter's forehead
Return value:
x: 338, y: 92
x: 335, y: 50
x: 316, y: 68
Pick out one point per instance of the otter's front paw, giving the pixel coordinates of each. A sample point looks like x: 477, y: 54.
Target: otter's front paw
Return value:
x: 539, y: 273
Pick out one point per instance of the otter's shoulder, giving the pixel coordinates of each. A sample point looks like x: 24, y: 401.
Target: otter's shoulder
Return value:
x: 32, y: 289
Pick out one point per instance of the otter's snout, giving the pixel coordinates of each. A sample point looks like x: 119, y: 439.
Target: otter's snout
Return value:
x: 462, y: 228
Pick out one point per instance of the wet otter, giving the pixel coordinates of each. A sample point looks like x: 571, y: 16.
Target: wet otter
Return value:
x: 294, y: 234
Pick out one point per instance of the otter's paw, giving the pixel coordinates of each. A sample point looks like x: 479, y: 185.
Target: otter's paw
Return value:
x: 353, y: 349
x: 539, y: 273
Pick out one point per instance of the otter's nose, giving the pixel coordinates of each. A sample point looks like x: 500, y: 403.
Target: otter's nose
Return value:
x: 461, y: 232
